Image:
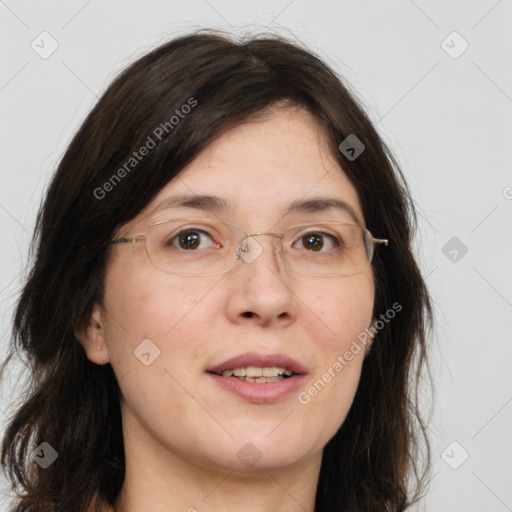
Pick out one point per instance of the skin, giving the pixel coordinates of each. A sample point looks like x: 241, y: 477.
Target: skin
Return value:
x: 181, y: 432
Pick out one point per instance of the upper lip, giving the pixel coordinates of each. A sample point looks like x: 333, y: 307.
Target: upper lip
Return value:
x: 260, y: 360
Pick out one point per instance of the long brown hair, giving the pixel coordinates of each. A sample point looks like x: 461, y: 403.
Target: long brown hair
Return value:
x: 379, y: 460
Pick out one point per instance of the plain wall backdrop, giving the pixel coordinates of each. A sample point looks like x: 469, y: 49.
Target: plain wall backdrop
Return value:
x: 435, y: 77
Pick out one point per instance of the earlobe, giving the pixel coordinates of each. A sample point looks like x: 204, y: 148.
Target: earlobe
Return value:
x: 91, y: 336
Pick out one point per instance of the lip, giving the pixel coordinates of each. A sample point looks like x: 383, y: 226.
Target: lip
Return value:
x: 265, y: 392
x: 261, y: 360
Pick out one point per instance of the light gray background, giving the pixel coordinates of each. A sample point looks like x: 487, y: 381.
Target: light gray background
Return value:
x: 448, y: 120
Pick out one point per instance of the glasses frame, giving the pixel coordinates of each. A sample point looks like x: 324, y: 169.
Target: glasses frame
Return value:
x: 239, y: 245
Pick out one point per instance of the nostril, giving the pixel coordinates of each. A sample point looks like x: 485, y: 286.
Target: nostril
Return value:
x: 248, y: 314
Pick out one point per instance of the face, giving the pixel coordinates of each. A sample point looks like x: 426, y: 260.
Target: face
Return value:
x: 171, y: 403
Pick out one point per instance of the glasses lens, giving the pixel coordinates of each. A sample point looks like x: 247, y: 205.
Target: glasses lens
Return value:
x: 192, y: 247
x: 328, y: 249
x: 200, y: 247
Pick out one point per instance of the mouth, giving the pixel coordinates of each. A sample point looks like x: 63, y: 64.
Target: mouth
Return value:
x: 257, y: 374
x: 252, y: 365
x: 259, y: 378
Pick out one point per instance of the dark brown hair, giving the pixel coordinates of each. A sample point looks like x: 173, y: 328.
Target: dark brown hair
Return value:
x: 379, y: 459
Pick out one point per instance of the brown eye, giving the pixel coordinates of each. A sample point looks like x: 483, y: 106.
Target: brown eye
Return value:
x: 312, y: 242
x: 191, y: 239
x: 317, y: 242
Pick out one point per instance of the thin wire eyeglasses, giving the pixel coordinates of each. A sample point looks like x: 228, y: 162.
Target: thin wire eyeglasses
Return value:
x: 176, y: 246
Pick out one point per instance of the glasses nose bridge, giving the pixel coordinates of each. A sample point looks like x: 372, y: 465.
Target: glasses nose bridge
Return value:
x: 243, y: 246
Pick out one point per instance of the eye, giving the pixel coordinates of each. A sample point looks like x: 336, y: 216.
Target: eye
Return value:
x: 191, y: 239
x: 318, y: 241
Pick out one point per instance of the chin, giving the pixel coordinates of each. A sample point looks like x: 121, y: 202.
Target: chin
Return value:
x: 255, y: 453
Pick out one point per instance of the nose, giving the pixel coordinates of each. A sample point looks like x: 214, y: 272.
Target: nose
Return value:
x: 249, y: 249
x: 261, y: 288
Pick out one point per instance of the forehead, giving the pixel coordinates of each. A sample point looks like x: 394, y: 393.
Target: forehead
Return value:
x: 261, y: 168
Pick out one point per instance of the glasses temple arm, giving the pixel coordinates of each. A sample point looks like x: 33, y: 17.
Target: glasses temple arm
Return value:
x: 380, y: 241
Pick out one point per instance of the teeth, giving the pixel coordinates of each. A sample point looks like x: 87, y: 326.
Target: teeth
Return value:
x: 272, y: 371
x: 252, y: 372
x: 261, y: 379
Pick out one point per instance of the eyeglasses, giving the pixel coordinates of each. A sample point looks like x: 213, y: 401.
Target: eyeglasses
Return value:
x: 207, y: 247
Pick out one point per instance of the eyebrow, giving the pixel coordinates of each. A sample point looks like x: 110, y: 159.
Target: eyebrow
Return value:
x: 217, y: 204
x: 319, y: 204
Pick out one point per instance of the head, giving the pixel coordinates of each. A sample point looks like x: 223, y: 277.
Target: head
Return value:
x: 242, y: 131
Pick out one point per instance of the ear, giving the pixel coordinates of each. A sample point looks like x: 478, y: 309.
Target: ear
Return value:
x: 91, y: 336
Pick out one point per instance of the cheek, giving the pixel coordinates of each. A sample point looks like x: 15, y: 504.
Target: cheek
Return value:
x: 157, y: 333
x: 143, y: 304
x: 345, y: 310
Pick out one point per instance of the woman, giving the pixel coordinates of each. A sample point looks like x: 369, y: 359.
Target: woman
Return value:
x: 224, y: 311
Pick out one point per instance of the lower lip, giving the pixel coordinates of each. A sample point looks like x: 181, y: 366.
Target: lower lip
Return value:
x: 260, y: 393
